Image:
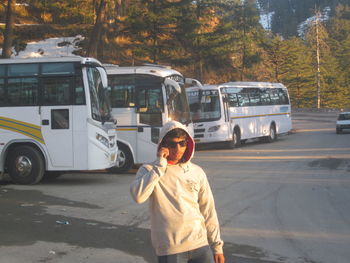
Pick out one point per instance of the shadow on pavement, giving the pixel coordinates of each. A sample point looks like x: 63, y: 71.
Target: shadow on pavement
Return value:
x: 24, y: 221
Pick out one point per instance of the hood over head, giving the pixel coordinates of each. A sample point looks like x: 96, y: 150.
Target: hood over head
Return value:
x: 171, y: 125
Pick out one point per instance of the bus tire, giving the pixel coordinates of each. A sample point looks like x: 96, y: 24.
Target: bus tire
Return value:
x: 125, y: 160
x: 272, y: 134
x: 25, y: 165
x: 236, y: 139
x: 338, y: 131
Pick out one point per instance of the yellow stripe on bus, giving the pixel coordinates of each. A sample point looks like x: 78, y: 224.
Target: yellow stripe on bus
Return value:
x: 126, y: 129
x: 263, y: 115
x: 25, y: 128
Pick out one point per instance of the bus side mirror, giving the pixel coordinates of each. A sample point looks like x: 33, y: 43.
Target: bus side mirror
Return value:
x: 173, y: 83
x: 193, y: 82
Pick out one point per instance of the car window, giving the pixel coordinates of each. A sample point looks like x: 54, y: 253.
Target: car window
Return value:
x: 343, y: 117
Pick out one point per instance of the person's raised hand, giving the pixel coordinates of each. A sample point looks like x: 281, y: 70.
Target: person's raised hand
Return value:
x: 163, y: 152
x: 219, y: 258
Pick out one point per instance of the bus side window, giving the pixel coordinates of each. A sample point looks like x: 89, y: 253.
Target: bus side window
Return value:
x: 283, y: 96
x: 79, y: 94
x: 122, y: 96
x: 233, y: 100
x: 56, y: 90
x: 2, y: 86
x: 60, y: 119
x: 22, y: 92
x: 275, y: 100
x: 2, y: 93
x: 23, y: 70
x: 22, y: 87
x: 243, y: 99
x: 150, y: 106
x: 265, y: 99
x: 254, y: 99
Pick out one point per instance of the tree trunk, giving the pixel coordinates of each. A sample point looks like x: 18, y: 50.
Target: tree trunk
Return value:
x: 318, y: 74
x: 96, y: 33
x: 8, y: 34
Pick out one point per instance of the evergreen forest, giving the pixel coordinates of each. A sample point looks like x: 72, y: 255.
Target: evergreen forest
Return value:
x: 305, y: 44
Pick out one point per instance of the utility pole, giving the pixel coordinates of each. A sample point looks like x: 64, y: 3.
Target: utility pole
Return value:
x: 318, y: 74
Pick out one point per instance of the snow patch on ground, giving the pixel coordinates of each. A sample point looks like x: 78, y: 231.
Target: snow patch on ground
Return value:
x: 50, y: 47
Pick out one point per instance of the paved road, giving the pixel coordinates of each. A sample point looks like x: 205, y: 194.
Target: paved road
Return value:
x: 287, y: 201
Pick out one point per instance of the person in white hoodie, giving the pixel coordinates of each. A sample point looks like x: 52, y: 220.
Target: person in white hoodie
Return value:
x: 184, y: 223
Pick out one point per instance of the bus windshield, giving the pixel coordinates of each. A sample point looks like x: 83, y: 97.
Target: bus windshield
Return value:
x: 177, y: 104
x: 204, y: 105
x: 100, y: 105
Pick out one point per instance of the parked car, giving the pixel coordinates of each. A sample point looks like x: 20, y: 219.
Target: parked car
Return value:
x: 343, y: 122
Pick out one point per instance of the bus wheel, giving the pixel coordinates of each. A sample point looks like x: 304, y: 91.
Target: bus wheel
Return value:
x: 272, y: 135
x: 125, y: 160
x: 25, y: 165
x: 236, y: 139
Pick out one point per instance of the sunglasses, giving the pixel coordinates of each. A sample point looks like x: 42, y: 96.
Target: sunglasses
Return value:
x: 172, y: 144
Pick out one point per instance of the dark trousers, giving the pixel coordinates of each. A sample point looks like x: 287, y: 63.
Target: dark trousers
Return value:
x: 198, y: 255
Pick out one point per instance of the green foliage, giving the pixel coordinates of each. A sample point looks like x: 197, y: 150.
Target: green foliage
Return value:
x: 297, y: 73
x: 62, y: 12
x: 212, y: 40
x: 150, y: 24
x: 339, y: 30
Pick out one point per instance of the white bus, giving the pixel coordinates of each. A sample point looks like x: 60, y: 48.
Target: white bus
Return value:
x: 143, y: 98
x: 236, y: 111
x: 54, y: 116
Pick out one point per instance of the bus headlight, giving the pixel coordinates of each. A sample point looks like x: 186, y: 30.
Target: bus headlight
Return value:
x: 102, y: 140
x: 214, y: 128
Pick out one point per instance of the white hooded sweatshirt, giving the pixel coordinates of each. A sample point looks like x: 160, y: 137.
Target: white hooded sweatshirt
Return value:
x: 183, y: 215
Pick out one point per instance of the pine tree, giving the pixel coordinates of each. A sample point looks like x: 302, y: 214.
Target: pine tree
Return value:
x: 203, y: 38
x: 297, y: 73
x: 339, y: 28
x: 274, y: 59
x: 246, y: 35
x: 149, y: 26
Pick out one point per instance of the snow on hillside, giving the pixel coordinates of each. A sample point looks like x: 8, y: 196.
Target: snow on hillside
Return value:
x: 51, y: 47
x: 302, y: 28
x: 265, y: 20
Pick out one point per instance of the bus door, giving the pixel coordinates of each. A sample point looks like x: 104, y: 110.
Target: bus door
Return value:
x: 226, y: 113
x: 150, y: 110
x: 56, y: 120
